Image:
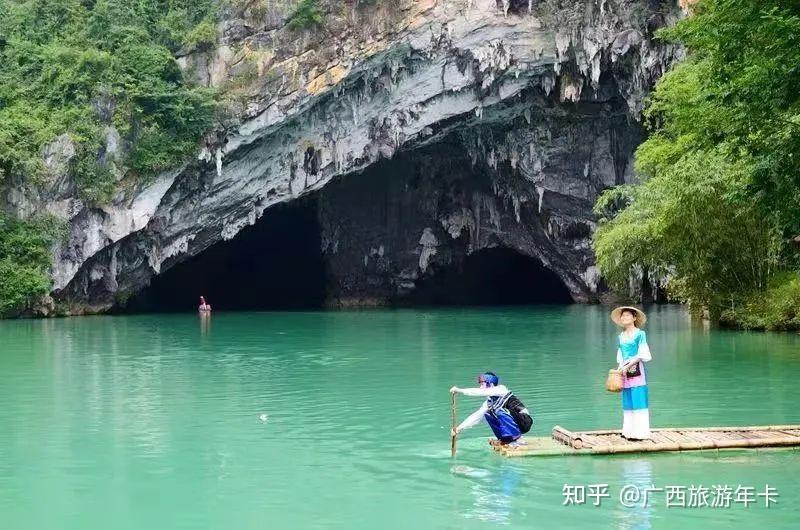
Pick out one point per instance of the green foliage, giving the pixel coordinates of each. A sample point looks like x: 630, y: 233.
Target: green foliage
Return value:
x: 777, y: 308
x: 307, y: 14
x: 71, y: 66
x: 742, y: 90
x: 25, y: 260
x: 95, y: 180
x: 203, y: 36
x: 720, y: 188
x: 690, y: 224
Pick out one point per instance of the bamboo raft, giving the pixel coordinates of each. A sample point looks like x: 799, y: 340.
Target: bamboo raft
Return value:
x: 564, y: 442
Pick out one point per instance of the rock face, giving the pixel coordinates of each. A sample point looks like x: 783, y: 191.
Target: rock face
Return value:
x: 450, y: 126
x: 525, y: 183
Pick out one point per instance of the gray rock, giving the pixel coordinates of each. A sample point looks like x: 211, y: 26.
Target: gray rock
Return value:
x: 543, y: 104
x: 57, y: 156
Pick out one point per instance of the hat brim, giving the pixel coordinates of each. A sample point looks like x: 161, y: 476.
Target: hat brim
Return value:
x: 616, y: 314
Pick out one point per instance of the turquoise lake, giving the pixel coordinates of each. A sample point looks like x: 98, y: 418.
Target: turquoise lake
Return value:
x: 341, y: 420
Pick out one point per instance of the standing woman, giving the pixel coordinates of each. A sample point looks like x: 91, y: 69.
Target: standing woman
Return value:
x: 632, y: 353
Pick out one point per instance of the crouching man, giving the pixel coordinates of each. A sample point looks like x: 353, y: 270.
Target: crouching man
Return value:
x: 503, y: 411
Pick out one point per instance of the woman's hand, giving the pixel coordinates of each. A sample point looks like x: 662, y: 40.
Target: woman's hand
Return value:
x: 630, y: 366
x: 630, y: 363
x: 454, y: 390
x: 454, y: 432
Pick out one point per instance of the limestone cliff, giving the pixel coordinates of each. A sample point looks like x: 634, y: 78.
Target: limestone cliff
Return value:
x: 489, y: 123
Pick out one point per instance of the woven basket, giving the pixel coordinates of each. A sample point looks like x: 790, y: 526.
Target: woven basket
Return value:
x: 614, y: 381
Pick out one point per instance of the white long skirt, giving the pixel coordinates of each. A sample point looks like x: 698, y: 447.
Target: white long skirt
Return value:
x: 636, y: 423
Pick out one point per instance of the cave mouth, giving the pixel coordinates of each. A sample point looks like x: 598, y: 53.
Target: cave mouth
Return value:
x: 275, y: 264
x: 494, y: 276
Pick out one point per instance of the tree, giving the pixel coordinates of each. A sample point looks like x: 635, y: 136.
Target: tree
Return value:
x: 719, y: 191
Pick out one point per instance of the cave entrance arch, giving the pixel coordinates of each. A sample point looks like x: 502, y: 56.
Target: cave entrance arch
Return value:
x: 274, y: 264
x: 492, y: 276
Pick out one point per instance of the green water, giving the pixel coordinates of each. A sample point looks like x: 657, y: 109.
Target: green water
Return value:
x: 154, y: 421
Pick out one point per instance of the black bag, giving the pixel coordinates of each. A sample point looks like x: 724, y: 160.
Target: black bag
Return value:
x: 633, y: 371
x: 523, y: 419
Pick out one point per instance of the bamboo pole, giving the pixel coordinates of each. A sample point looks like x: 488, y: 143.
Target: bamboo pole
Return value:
x: 453, y: 433
x: 695, y: 436
x: 609, y: 441
x: 788, y: 432
x: 751, y: 443
x: 672, y: 437
x: 710, y: 444
x: 710, y: 429
x: 560, y: 434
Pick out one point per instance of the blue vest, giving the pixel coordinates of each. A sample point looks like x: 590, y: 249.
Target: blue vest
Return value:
x: 500, y: 419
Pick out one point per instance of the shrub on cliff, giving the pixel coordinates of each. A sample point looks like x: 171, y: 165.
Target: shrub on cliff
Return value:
x: 68, y: 66
x: 25, y: 260
x: 306, y: 14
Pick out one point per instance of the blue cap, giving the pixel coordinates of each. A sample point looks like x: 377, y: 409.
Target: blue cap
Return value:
x: 490, y: 378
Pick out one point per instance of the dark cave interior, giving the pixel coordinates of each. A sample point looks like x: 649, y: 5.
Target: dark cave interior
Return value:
x: 274, y: 264
x: 278, y: 264
x: 493, y: 276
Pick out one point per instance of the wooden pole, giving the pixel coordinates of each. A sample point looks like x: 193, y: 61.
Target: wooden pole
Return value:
x: 453, y: 416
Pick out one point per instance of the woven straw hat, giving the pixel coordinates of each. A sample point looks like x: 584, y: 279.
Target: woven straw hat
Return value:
x: 641, y: 318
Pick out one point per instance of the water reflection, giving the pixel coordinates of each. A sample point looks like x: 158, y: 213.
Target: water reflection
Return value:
x: 205, y: 324
x: 493, y: 492
x: 636, y: 474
